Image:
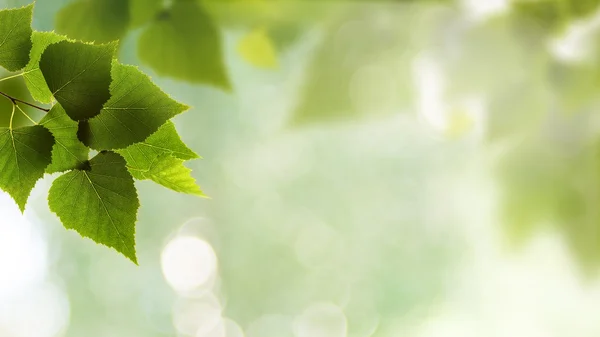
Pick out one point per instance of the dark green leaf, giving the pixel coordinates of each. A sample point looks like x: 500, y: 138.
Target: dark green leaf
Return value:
x: 78, y: 75
x: 136, y: 109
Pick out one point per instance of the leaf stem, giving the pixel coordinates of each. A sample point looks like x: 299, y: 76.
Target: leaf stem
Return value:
x: 26, y: 115
x: 16, y: 100
x: 13, y: 76
x: 12, y: 116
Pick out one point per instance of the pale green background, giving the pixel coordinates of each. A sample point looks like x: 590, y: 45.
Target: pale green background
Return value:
x: 388, y: 223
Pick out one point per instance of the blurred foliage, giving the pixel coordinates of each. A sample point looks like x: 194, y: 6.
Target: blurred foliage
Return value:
x: 94, y: 20
x: 553, y: 16
x: 184, y: 43
x: 183, y: 40
x: 143, y: 11
x: 364, y: 63
x: 542, y: 122
x: 179, y: 40
x: 258, y: 49
x: 548, y: 190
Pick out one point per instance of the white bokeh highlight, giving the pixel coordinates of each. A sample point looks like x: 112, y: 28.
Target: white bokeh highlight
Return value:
x: 321, y: 320
x: 41, y: 312
x: 188, y: 263
x: 232, y: 329
x: 30, y: 305
x: 480, y: 10
x: 430, y: 84
x: 23, y: 260
x: 271, y: 326
x: 197, y: 317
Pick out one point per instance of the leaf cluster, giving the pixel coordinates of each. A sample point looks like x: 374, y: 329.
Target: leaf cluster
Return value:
x: 91, y: 102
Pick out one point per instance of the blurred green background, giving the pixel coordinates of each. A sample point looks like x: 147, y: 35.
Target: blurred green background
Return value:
x: 375, y: 169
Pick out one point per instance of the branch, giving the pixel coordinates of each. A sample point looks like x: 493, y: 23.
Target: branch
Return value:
x: 16, y: 100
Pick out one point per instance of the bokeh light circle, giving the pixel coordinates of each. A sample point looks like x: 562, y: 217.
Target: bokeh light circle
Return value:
x: 188, y: 263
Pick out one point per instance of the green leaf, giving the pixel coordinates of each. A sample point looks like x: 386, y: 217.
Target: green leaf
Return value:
x: 32, y: 74
x: 160, y: 158
x: 68, y: 152
x: 94, y: 20
x: 170, y: 173
x: 24, y: 155
x: 136, y: 109
x: 140, y: 156
x: 143, y: 11
x: 78, y: 75
x: 184, y: 43
x: 15, y: 37
x: 99, y: 202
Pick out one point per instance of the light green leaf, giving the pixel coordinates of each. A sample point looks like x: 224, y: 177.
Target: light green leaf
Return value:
x: 136, y: 109
x: 258, y: 49
x: 140, y: 156
x: 160, y: 158
x: 167, y: 139
x: 143, y: 11
x: 184, y: 43
x: 33, y: 76
x: 170, y: 173
x: 24, y: 155
x: 99, y: 202
x: 94, y: 20
x: 68, y: 152
x: 15, y: 37
x: 78, y: 75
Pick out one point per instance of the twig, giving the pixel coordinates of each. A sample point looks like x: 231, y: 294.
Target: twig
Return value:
x: 16, y: 100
